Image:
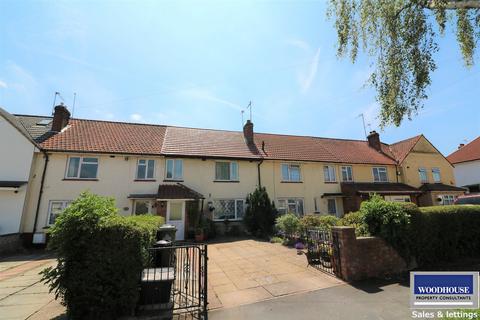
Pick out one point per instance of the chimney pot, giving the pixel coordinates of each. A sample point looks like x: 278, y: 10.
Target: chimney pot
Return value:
x: 461, y: 145
x: 61, y: 116
x: 374, y: 140
x: 248, y: 132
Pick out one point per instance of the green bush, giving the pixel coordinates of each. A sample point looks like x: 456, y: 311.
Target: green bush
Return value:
x: 100, y: 257
x: 389, y: 220
x: 289, y: 224
x: 445, y: 233
x: 310, y: 221
x: 356, y: 220
x: 260, y: 214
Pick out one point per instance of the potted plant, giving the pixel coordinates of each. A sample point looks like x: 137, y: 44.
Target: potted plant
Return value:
x: 199, y: 234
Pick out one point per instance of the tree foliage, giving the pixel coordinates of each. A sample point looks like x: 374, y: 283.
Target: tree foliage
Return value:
x: 260, y: 213
x: 401, y: 38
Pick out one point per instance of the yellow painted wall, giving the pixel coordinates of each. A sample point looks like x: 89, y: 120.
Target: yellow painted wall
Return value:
x: 313, y: 184
x: 116, y: 175
x: 424, y: 155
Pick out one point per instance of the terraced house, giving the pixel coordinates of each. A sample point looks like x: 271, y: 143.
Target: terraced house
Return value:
x: 162, y: 169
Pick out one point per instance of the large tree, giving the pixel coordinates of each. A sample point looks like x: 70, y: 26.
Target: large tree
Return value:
x: 401, y: 38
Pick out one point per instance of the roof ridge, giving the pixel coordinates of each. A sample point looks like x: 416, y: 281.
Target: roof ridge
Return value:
x: 404, y: 140
x: 458, y: 150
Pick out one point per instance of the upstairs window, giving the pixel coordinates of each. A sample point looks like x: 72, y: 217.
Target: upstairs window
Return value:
x: 226, y: 171
x: 291, y: 172
x: 422, y: 173
x: 174, y: 169
x: 329, y: 174
x: 82, y: 168
x: 145, y: 169
x: 380, y: 174
x: 436, y: 175
x: 347, y: 175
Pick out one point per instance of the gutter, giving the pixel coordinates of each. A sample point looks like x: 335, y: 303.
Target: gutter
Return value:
x: 40, y: 192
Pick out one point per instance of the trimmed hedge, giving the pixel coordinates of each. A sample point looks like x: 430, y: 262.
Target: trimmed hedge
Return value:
x: 445, y: 233
x: 100, y: 257
x: 430, y: 234
x: 357, y: 220
x: 314, y: 221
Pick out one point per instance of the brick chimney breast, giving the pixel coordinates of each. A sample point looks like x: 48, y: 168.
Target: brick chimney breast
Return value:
x: 61, y: 116
x: 248, y: 132
x: 374, y: 140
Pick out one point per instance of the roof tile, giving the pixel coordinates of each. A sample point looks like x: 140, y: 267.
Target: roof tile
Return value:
x: 469, y: 152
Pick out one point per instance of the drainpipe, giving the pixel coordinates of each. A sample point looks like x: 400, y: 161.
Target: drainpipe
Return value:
x: 259, y: 175
x: 41, y: 192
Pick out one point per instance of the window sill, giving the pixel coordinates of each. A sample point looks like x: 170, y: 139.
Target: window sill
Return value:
x: 227, y: 181
x: 286, y: 181
x: 229, y: 220
x: 173, y: 180
x: 78, y: 179
x: 330, y: 182
x: 145, y: 180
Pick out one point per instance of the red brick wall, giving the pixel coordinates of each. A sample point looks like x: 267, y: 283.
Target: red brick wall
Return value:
x: 365, y: 257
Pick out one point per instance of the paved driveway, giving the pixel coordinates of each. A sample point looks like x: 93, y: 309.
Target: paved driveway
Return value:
x: 248, y: 271
x: 22, y: 295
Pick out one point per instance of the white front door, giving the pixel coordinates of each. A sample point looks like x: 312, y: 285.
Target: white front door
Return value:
x: 176, y: 217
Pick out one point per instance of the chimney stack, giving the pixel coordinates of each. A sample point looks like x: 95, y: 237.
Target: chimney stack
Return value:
x: 248, y: 132
x: 461, y: 145
x: 61, y: 115
x: 374, y: 140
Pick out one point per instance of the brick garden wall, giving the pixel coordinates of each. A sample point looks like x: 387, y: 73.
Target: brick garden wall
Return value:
x: 365, y: 257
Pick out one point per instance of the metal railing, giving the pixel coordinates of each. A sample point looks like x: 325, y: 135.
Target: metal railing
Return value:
x: 174, y: 284
x: 323, y: 251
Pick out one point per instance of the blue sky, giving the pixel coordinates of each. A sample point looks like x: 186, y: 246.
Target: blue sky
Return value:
x: 196, y: 63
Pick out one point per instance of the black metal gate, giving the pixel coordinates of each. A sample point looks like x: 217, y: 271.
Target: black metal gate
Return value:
x: 323, y: 252
x: 174, y: 285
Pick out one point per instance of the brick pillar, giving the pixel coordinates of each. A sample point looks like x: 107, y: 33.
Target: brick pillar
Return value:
x: 345, y: 240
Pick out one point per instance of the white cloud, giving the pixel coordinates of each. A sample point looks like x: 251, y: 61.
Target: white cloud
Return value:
x: 307, y: 80
x: 371, y: 113
x: 3, y: 84
x: 297, y: 43
x: 136, y: 117
x: 207, y: 95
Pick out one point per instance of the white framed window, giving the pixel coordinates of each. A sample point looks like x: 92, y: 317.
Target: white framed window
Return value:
x: 55, y: 208
x: 143, y: 206
x: 329, y: 174
x: 422, y: 173
x: 347, y: 174
x: 226, y: 171
x: 145, y: 169
x: 291, y: 172
x: 436, y: 175
x: 82, y: 168
x: 290, y: 205
x: 448, y: 199
x: 380, y: 174
x: 332, y: 206
x: 231, y: 209
x: 174, y: 169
